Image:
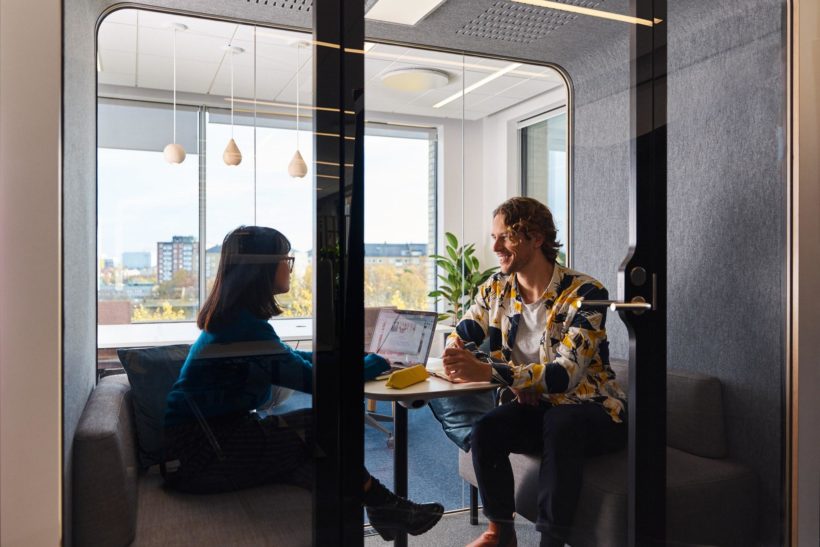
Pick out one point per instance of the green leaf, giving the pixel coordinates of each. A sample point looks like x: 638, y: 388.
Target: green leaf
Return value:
x: 435, y: 294
x: 452, y: 240
x: 445, y: 265
x: 452, y: 254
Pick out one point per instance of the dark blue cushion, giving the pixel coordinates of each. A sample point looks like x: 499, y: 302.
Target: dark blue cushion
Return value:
x: 151, y: 373
x: 458, y: 414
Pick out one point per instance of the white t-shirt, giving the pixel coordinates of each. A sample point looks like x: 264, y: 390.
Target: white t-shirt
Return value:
x: 530, y: 330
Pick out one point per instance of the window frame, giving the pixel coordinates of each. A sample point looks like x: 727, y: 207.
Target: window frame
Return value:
x: 294, y: 328
x: 520, y: 127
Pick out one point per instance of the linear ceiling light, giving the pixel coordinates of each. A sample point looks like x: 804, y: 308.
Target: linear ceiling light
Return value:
x: 401, y: 11
x: 589, y: 11
x: 478, y: 84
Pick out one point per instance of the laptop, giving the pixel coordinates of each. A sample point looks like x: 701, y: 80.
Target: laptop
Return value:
x: 403, y: 337
x: 371, y: 316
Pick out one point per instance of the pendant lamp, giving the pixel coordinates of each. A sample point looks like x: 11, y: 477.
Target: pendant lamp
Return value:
x: 174, y: 153
x: 232, y: 155
x: 297, y: 168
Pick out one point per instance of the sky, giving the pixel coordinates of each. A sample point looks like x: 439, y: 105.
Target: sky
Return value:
x: 143, y: 200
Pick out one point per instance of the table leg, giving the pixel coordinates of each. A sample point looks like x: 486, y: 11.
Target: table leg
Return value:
x: 400, y: 460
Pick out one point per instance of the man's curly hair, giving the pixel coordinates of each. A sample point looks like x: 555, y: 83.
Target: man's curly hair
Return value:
x: 526, y: 217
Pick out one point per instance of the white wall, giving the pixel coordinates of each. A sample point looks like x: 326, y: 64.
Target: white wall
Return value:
x: 501, y: 160
x: 30, y: 321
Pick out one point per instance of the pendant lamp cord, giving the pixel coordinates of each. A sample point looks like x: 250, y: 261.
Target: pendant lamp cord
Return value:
x: 298, y: 66
x: 231, y: 51
x: 175, y: 87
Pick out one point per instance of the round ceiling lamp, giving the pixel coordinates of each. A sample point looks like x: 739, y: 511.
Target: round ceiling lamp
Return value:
x: 174, y: 153
x: 415, y: 79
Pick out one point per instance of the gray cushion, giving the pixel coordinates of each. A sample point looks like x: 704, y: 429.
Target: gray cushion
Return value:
x: 694, y: 419
x: 152, y: 373
x: 104, y: 492
x: 709, y: 501
x: 265, y: 515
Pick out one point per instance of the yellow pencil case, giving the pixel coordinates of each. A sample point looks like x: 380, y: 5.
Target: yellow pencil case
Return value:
x: 407, y: 377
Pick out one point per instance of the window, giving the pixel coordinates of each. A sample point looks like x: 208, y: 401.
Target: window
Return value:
x: 150, y: 271
x: 543, y: 141
x: 147, y: 271
x: 400, y: 189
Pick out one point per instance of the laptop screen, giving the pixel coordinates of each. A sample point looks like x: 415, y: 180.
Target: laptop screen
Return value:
x: 404, y: 335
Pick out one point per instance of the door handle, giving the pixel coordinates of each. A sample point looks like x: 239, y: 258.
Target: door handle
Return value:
x: 637, y: 304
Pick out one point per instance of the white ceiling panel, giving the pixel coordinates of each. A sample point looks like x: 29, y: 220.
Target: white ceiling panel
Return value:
x: 530, y: 88
x: 195, y: 76
x: 194, y: 47
x: 499, y: 84
x: 116, y: 78
x: 207, y: 27
x: 121, y: 62
x: 117, y: 36
x: 374, y: 67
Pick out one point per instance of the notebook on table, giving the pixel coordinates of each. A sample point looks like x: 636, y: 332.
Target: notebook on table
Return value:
x: 403, y: 337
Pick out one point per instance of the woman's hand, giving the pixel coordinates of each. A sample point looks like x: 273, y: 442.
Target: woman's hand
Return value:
x: 462, y: 366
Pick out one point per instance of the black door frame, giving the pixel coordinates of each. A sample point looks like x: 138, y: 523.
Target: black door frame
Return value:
x: 642, y: 277
x: 338, y: 306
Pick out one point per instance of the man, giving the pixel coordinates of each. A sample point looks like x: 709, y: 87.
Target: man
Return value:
x: 554, y: 356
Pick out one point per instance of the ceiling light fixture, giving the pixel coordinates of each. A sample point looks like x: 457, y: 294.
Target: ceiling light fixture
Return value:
x: 401, y: 11
x: 481, y: 82
x: 297, y: 168
x: 174, y: 153
x: 415, y: 79
x: 589, y: 11
x: 232, y: 156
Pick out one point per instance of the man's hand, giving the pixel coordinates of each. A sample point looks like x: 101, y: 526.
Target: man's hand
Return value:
x: 462, y: 366
x: 456, y: 342
x: 527, y: 397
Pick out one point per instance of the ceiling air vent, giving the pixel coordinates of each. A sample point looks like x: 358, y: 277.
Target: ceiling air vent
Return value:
x: 298, y: 5
x: 520, y: 23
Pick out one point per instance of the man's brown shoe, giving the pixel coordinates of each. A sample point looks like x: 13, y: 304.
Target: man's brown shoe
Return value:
x: 493, y: 537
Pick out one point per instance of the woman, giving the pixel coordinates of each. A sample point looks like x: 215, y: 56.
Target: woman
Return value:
x: 211, y: 426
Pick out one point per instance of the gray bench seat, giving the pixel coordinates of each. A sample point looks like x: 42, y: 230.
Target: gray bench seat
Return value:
x: 114, y: 504
x: 711, y: 499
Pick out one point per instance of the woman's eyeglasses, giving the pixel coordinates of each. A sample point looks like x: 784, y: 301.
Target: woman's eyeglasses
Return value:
x: 290, y: 260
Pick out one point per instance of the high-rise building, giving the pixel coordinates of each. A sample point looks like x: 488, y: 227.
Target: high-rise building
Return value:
x: 212, y: 261
x: 181, y: 253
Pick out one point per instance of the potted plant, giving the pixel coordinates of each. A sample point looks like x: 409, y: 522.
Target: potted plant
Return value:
x: 460, y: 279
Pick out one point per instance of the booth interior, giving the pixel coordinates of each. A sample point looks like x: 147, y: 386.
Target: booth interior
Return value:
x: 472, y: 104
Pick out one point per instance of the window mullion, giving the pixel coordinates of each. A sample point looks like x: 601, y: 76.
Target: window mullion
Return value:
x: 201, y: 146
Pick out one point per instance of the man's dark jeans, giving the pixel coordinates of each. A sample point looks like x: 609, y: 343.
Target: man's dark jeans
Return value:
x: 568, y: 434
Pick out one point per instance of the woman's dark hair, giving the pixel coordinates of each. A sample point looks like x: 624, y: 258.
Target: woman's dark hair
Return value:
x: 245, y: 277
x: 527, y: 217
